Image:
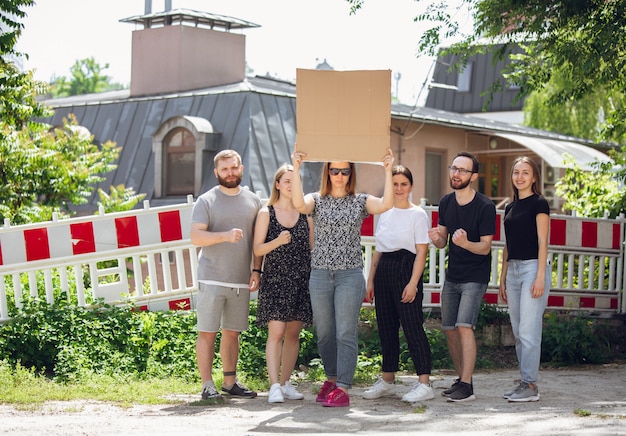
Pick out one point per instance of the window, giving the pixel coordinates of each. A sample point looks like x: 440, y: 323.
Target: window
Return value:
x: 433, y: 177
x: 464, y: 79
x: 183, y: 148
x: 180, y: 151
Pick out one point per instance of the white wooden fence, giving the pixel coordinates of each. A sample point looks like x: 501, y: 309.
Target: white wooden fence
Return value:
x: 144, y: 257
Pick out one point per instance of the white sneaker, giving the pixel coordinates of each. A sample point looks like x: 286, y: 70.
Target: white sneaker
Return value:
x: 419, y: 392
x: 290, y: 392
x: 276, y: 394
x: 380, y: 389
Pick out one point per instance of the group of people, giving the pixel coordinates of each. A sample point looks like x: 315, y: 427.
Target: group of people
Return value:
x: 303, y: 253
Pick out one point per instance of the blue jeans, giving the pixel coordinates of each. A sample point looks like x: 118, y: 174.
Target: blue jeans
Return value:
x: 460, y: 304
x: 526, y: 314
x: 336, y: 299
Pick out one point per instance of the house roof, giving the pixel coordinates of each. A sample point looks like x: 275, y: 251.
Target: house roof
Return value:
x: 482, y: 73
x: 256, y: 117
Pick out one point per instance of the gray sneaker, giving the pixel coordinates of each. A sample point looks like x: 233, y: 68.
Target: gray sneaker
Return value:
x: 209, y: 391
x: 507, y: 394
x: 524, y: 392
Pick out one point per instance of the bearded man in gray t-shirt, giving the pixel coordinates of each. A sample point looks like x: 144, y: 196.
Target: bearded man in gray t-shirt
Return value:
x: 222, y: 223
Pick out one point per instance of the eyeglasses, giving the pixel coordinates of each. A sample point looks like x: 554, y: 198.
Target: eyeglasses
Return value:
x: 462, y: 171
x: 336, y: 171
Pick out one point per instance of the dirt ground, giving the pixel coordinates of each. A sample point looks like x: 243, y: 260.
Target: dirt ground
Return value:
x: 566, y: 395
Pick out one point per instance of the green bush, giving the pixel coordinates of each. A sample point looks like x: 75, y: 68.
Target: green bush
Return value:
x: 70, y: 343
x: 67, y: 342
x: 571, y: 338
x: 491, y: 314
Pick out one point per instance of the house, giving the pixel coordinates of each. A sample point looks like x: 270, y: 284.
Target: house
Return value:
x: 462, y: 91
x: 189, y: 98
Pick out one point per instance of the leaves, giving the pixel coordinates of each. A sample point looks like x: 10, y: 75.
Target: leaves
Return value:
x: 86, y: 78
x: 119, y: 199
x: 584, y: 39
x: 44, y: 170
x: 592, y: 193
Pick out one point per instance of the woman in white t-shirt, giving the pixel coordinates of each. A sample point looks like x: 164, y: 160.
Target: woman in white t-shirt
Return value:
x: 395, y: 284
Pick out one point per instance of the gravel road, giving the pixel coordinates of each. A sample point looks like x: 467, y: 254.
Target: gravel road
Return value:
x: 566, y: 395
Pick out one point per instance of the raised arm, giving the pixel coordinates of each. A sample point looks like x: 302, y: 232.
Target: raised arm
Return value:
x: 303, y: 203
x: 376, y: 205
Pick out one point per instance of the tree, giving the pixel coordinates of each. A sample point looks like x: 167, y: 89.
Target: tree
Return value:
x: 87, y: 78
x: 583, y: 39
x: 594, y: 193
x: 581, y: 118
x: 17, y: 90
x: 42, y: 169
x: 119, y: 199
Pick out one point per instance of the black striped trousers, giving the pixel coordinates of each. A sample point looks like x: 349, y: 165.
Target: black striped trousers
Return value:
x: 392, y: 274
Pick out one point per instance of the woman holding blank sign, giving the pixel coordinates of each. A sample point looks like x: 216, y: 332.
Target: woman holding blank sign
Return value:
x: 337, y: 284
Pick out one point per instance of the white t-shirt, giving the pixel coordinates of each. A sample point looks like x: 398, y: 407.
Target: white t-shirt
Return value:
x: 399, y: 229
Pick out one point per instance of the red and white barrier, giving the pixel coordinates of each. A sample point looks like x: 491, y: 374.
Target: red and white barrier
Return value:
x: 591, y: 244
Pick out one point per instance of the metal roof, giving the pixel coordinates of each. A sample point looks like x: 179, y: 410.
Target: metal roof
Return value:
x: 256, y: 117
x: 443, y: 93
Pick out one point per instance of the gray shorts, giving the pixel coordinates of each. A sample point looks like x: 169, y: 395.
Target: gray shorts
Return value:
x: 460, y: 304
x: 222, y: 306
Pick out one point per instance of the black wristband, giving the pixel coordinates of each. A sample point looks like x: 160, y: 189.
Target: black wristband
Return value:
x: 257, y: 270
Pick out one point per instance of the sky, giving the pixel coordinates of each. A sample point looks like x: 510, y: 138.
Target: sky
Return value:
x: 293, y: 34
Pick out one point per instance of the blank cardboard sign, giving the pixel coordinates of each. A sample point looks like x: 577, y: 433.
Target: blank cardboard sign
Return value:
x: 343, y: 115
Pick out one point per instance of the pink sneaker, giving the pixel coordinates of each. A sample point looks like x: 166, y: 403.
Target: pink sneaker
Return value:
x: 326, y: 388
x: 337, y: 398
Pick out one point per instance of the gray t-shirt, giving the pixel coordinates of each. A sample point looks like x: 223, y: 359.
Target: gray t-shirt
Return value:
x: 227, y: 263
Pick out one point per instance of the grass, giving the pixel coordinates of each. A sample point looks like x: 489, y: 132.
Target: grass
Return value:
x: 24, y: 388
x: 27, y: 390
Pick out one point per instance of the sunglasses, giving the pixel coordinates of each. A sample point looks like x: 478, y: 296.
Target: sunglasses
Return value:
x: 336, y: 171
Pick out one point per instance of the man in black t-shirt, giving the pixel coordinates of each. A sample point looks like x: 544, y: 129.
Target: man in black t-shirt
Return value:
x: 467, y: 220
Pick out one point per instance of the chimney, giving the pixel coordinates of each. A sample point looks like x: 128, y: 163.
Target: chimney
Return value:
x: 180, y: 50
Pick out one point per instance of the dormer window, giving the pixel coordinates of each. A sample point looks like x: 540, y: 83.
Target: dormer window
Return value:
x: 183, y: 148
x: 180, y: 150
x: 464, y: 79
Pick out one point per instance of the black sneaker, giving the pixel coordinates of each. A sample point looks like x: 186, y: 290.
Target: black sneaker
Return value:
x: 454, y: 387
x: 239, y: 390
x: 464, y: 392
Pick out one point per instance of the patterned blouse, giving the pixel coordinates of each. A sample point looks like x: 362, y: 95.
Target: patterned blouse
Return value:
x: 337, y: 231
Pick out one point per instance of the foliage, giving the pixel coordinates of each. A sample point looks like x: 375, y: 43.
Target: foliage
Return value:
x: 491, y: 314
x: 119, y: 199
x: 581, y: 118
x: 592, y: 193
x: 107, y: 352
x: 17, y: 90
x: 42, y: 171
x: 87, y: 78
x: 582, y: 40
x: 572, y: 339
x: 70, y: 343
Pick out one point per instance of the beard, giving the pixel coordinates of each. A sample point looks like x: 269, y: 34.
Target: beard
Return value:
x: 229, y: 183
x: 461, y: 185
